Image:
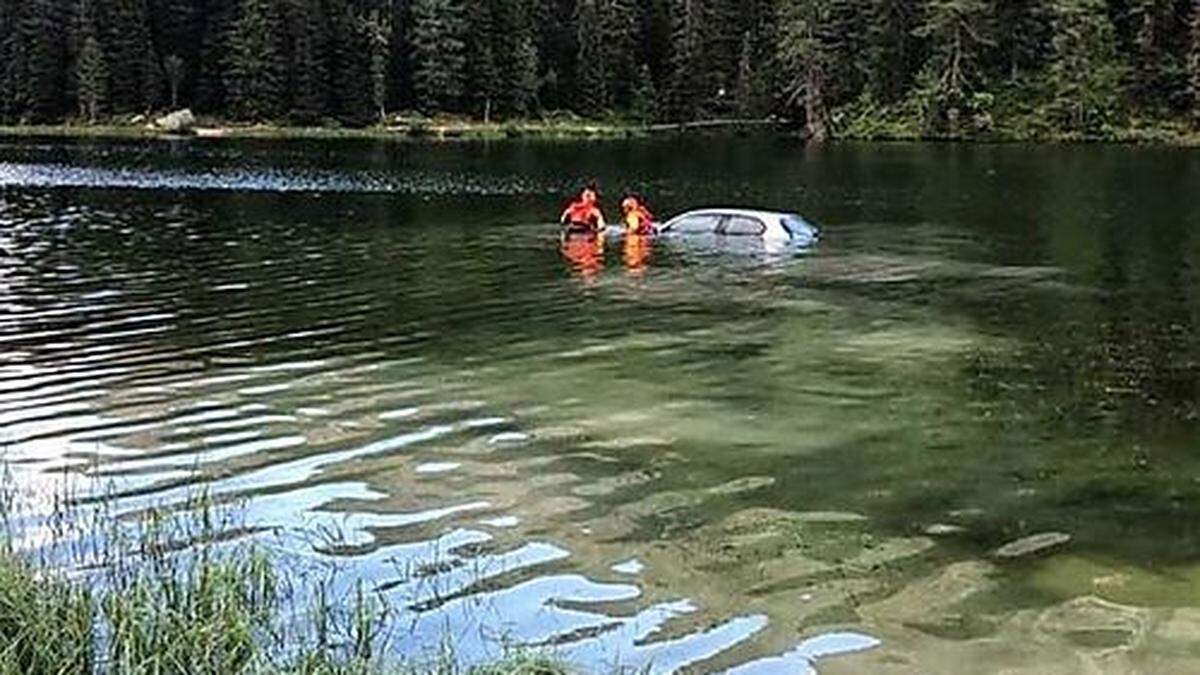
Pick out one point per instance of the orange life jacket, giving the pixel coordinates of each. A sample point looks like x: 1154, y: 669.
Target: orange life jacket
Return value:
x: 583, y: 213
x: 637, y: 217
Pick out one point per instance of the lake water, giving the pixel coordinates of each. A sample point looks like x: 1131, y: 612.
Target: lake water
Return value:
x: 681, y: 457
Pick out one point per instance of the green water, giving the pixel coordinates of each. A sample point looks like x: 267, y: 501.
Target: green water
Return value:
x: 389, y: 339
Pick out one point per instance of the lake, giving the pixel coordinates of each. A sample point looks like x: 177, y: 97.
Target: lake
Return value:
x: 680, y: 457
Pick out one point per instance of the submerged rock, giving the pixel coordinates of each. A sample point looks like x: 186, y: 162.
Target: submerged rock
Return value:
x: 1030, y: 546
x: 935, y: 597
x: 944, y: 530
x: 829, y: 517
x: 1093, y: 623
x: 178, y: 122
x: 747, y: 484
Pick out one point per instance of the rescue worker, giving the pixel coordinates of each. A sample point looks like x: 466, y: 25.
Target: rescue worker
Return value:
x: 583, y: 216
x: 637, y: 218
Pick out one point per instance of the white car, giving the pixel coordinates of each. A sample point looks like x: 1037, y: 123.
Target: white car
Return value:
x: 770, y: 226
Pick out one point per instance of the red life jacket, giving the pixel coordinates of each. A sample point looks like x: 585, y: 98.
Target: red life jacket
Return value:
x: 582, y: 213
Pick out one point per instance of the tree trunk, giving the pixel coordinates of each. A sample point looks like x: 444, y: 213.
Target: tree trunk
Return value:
x: 1194, y: 63
x: 814, y: 106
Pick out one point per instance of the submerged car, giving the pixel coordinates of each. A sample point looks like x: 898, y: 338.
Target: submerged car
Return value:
x: 769, y: 226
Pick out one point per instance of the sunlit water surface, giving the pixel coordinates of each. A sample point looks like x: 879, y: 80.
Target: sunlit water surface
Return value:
x: 678, y: 456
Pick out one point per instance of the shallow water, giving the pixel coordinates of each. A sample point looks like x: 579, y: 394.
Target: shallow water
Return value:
x: 681, y: 456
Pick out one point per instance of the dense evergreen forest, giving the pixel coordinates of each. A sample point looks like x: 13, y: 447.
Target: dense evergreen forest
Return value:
x: 1033, y: 68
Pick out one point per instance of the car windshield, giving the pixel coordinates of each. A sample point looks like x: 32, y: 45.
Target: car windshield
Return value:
x: 795, y: 224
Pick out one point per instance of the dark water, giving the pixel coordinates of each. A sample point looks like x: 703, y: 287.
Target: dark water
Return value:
x: 676, y: 457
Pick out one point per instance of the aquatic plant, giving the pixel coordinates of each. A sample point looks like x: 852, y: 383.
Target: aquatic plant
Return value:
x: 162, y: 592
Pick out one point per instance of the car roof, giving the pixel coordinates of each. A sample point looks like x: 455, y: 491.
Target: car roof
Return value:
x: 751, y: 213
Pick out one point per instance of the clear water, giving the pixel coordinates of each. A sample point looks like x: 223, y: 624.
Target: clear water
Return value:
x: 676, y: 457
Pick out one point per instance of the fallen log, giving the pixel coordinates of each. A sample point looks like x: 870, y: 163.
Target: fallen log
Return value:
x: 714, y: 124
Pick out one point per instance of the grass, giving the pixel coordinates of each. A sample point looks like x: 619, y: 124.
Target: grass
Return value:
x: 408, y: 127
x: 167, y: 595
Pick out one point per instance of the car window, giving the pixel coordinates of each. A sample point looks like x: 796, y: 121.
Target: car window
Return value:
x: 796, y: 225
x: 744, y: 226
x: 698, y: 224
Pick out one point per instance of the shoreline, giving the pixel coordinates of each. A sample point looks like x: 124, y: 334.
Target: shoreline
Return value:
x: 431, y: 131
x: 449, y: 131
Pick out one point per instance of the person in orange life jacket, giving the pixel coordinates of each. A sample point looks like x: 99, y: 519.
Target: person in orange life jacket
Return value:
x: 583, y: 216
x: 637, y: 218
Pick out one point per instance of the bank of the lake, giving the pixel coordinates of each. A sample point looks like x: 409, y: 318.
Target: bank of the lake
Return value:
x: 400, y: 130
x: 852, y: 124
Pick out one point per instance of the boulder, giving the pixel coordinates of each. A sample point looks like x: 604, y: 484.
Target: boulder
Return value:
x: 1034, y: 545
x: 178, y: 122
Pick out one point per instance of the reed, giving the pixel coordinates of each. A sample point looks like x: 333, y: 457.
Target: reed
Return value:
x: 165, y: 592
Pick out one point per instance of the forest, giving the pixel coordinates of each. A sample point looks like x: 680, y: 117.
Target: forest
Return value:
x: 849, y: 68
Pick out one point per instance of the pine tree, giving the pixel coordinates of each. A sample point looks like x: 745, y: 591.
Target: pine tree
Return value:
x: 620, y: 30
x: 1194, y: 64
x: 893, y: 54
x: 178, y: 27
x: 350, y: 64
x: 400, y: 63
x: 133, y: 80
x: 524, y: 91
x: 645, y: 107
x: 592, y: 95
x: 1086, y: 71
x: 210, y: 93
x: 35, y: 71
x: 254, y: 66
x: 744, y: 88
x: 483, y: 75
x: 439, y: 47
x: 690, y: 92
x: 806, y: 52
x: 152, y: 78
x: 957, y: 35
x: 555, y: 38
x: 308, y: 73
x: 91, y: 73
x: 378, y: 31
x: 1025, y: 34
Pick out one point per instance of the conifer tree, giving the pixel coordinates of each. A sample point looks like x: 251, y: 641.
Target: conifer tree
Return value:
x: 690, y: 91
x: 400, y: 61
x: 91, y: 73
x: 378, y: 31
x: 620, y: 32
x: 483, y: 75
x: 439, y: 54
x: 308, y: 76
x: 957, y: 34
x: 178, y: 31
x: 1085, y: 71
x: 1194, y: 64
x: 892, y: 49
x: 1145, y: 22
x: 744, y: 89
x: 806, y: 52
x: 592, y: 95
x: 1024, y: 35
x: 152, y: 78
x: 210, y: 92
x: 128, y: 48
x: 36, y: 55
x: 524, y: 91
x: 645, y: 107
x: 350, y: 52
x: 254, y: 66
